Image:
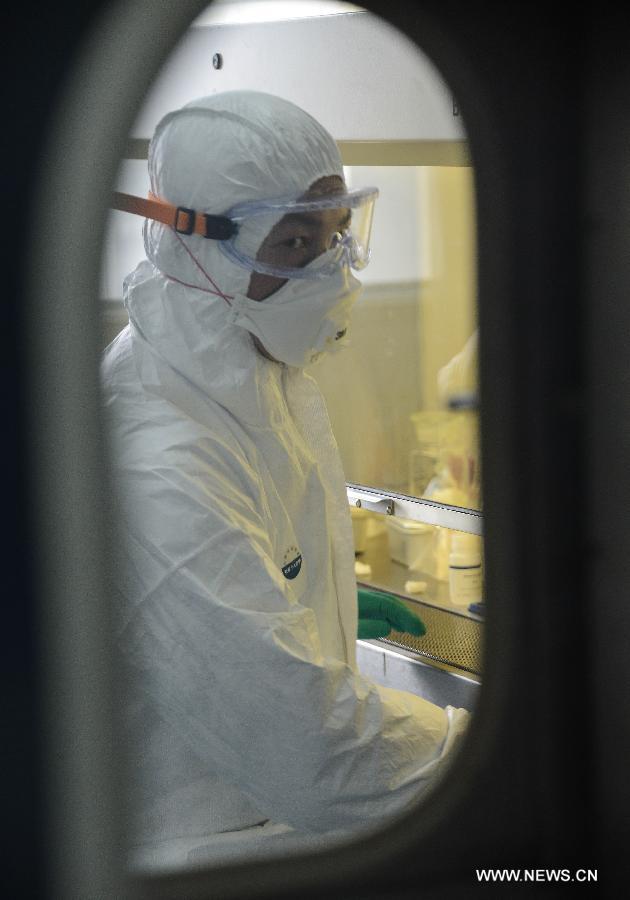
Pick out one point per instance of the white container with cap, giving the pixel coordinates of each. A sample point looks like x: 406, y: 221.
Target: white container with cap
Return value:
x: 464, y: 569
x: 409, y: 541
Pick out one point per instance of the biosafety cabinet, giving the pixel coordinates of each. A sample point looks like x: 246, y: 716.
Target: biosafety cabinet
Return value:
x: 406, y: 420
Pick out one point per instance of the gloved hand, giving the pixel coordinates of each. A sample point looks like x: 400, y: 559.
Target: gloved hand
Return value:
x: 380, y: 613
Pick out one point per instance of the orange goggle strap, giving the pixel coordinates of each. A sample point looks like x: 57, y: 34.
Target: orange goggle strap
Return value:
x: 181, y: 218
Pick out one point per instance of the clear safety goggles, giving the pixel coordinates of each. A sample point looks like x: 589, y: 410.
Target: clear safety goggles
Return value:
x: 287, y: 238
x: 303, y: 238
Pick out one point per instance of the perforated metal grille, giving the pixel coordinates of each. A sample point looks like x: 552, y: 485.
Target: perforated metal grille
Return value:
x: 450, y: 638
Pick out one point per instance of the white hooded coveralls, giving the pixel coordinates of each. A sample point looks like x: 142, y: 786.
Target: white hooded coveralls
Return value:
x: 242, y: 696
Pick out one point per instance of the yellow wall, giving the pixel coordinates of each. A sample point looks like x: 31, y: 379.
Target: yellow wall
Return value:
x: 448, y: 303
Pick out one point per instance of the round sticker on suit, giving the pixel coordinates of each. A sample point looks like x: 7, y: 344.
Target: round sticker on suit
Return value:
x: 291, y: 563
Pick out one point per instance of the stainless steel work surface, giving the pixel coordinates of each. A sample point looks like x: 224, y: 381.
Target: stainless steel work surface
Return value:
x: 445, y: 664
x: 401, y: 670
x: 451, y: 638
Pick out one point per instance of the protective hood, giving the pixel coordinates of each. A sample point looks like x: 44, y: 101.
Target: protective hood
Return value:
x: 211, y: 154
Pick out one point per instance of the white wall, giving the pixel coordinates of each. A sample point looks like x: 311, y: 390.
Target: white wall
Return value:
x: 361, y: 78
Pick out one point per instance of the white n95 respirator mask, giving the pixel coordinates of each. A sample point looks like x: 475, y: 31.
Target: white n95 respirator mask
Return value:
x: 302, y: 319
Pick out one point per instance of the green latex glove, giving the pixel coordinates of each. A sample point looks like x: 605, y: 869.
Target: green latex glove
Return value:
x: 380, y: 613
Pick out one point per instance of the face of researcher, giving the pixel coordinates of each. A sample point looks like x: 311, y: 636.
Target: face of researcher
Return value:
x: 296, y: 240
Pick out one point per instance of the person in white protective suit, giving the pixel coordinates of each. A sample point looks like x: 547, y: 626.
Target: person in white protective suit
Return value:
x: 238, y: 599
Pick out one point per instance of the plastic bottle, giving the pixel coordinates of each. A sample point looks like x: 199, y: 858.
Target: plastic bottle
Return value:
x: 464, y: 569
